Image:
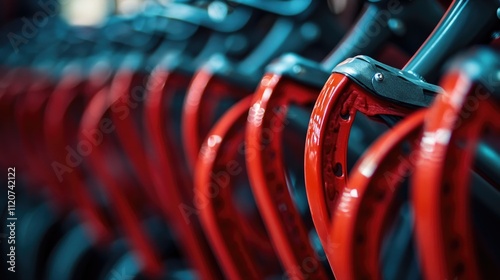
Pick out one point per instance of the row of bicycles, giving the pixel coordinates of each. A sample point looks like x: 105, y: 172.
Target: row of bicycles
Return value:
x: 248, y: 139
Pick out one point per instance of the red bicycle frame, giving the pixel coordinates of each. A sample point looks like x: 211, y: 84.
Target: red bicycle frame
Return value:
x: 343, y: 97
x: 243, y: 250
x: 442, y: 178
x: 11, y: 88
x: 108, y: 110
x: 366, y: 206
x: 174, y: 188
x: 264, y: 153
x: 264, y: 137
x: 205, y: 93
x: 28, y: 112
x: 60, y: 128
x: 326, y: 150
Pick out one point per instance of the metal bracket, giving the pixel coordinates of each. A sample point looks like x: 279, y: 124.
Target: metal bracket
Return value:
x: 388, y: 82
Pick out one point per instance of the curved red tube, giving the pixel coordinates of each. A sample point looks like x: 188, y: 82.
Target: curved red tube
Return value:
x: 61, y: 119
x: 264, y: 127
x: 243, y: 250
x: 106, y: 163
x: 441, y: 180
x: 205, y: 93
x: 174, y: 189
x: 364, y: 208
x: 326, y: 144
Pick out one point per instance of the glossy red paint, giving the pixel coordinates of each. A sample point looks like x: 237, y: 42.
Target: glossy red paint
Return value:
x: 28, y: 113
x: 173, y: 184
x: 239, y: 241
x: 106, y: 162
x: 366, y: 206
x: 204, y: 94
x: 264, y: 159
x: 326, y: 144
x: 441, y: 181
x: 127, y: 95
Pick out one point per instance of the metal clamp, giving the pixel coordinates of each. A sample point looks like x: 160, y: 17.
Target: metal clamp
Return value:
x: 388, y: 82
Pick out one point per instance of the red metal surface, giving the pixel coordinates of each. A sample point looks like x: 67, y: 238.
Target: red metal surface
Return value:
x: 264, y: 154
x: 172, y: 183
x: 12, y: 90
x: 127, y: 95
x: 60, y: 126
x: 326, y: 144
x: 107, y: 162
x: 239, y: 239
x: 204, y: 94
x: 368, y: 204
x: 442, y: 178
x: 28, y: 113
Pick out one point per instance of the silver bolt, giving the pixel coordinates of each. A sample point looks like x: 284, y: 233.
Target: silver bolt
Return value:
x: 498, y: 13
x: 379, y: 77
